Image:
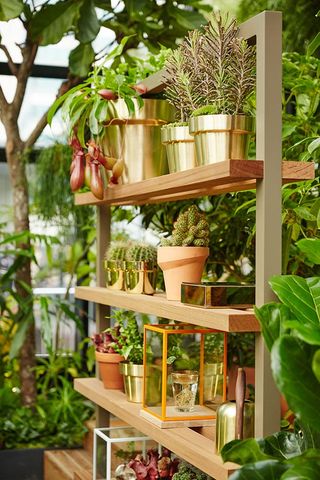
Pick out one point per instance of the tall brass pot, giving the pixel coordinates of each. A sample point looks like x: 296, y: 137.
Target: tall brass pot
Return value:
x: 221, y: 137
x: 137, y: 140
x: 180, y: 147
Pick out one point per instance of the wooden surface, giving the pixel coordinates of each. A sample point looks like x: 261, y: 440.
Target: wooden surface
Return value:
x: 199, y: 411
x: 224, y: 319
x: 184, y: 442
x: 67, y: 464
x: 217, y: 178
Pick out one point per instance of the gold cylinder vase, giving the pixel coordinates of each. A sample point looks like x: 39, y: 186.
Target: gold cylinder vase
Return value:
x: 226, y: 423
x: 221, y: 137
x: 115, y: 271
x: 180, y: 148
x: 141, y: 277
x: 133, y: 381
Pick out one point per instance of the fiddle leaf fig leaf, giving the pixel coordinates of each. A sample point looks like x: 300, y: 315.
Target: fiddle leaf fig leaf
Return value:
x: 53, y: 21
x: 88, y: 24
x: 264, y: 470
x: 295, y: 292
x: 243, y: 451
x: 291, y: 362
x: 311, y: 248
x: 10, y: 9
x: 272, y: 317
x: 81, y: 59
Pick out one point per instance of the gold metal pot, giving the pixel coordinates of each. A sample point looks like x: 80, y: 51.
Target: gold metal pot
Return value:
x: 133, y: 381
x: 221, y: 137
x: 180, y: 148
x: 226, y: 423
x: 115, y: 270
x: 137, y: 140
x: 141, y: 277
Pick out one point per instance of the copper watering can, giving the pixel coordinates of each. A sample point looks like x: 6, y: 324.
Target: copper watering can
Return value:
x: 235, y: 418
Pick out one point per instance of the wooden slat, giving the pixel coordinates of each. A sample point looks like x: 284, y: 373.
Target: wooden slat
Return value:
x: 224, y: 319
x: 184, y: 442
x: 214, y: 179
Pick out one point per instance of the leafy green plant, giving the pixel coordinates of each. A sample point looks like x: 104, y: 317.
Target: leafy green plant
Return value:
x: 291, y: 330
x: 186, y: 471
x: 124, y: 337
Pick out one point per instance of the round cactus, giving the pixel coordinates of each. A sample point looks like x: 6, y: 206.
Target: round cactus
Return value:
x: 117, y: 251
x: 190, y: 229
x: 141, y: 252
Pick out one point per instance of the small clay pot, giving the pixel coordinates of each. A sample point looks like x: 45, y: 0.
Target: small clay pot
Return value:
x: 109, y: 370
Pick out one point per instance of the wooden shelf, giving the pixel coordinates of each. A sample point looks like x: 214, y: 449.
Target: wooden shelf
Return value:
x: 194, y: 447
x: 214, y: 179
x: 224, y: 319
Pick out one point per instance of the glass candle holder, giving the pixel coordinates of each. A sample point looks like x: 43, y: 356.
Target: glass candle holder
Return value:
x: 184, y: 386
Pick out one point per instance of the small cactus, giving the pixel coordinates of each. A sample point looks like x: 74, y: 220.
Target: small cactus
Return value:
x: 191, y: 229
x: 117, y: 251
x: 141, y: 252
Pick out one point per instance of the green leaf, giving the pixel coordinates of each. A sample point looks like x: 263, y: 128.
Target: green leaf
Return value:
x: 81, y: 59
x: 53, y: 109
x: 88, y: 23
x: 294, y: 292
x: 308, y: 333
x: 287, y: 130
x: 10, y: 9
x: 20, y: 335
x: 304, y: 213
x: 316, y: 364
x: 311, y: 248
x: 243, y: 451
x: 291, y: 366
x: 314, y: 44
x: 46, y: 328
x: 314, y: 145
x: 52, y: 22
x: 265, y: 470
x: 272, y: 317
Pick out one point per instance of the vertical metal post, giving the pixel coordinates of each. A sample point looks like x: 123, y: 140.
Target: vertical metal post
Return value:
x: 268, y: 213
x: 102, y: 311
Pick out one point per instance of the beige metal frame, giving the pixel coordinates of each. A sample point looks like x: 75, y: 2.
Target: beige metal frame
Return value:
x: 265, y: 28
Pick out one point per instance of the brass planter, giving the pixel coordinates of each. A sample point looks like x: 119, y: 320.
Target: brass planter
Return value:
x: 141, y: 277
x: 226, y: 423
x: 133, y: 381
x: 137, y: 140
x: 115, y: 270
x: 221, y: 137
x: 180, y: 148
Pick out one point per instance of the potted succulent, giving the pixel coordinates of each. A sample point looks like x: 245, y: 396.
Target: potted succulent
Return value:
x: 223, y: 81
x: 108, y: 118
x: 108, y: 346
x: 114, y: 264
x: 141, y: 268
x: 180, y: 146
x: 182, y: 257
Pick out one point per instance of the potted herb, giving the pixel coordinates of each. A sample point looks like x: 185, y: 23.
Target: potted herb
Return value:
x: 223, y: 80
x: 132, y: 350
x: 179, y: 74
x: 141, y: 268
x: 182, y: 257
x: 115, y: 264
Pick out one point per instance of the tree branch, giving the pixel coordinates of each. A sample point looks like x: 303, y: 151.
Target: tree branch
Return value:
x: 29, y: 52
x: 38, y: 129
x: 12, y: 66
x: 3, y: 105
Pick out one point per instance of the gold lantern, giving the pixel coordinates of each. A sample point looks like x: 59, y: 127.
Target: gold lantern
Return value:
x: 184, y: 374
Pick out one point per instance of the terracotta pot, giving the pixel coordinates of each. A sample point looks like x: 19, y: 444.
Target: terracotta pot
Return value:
x: 109, y: 370
x: 181, y: 264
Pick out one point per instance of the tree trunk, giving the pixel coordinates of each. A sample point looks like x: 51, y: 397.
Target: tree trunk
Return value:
x: 19, y: 185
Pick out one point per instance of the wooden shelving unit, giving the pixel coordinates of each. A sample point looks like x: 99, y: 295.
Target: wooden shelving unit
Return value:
x: 266, y: 175
x: 227, y: 320
x: 194, y: 447
x: 222, y: 177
